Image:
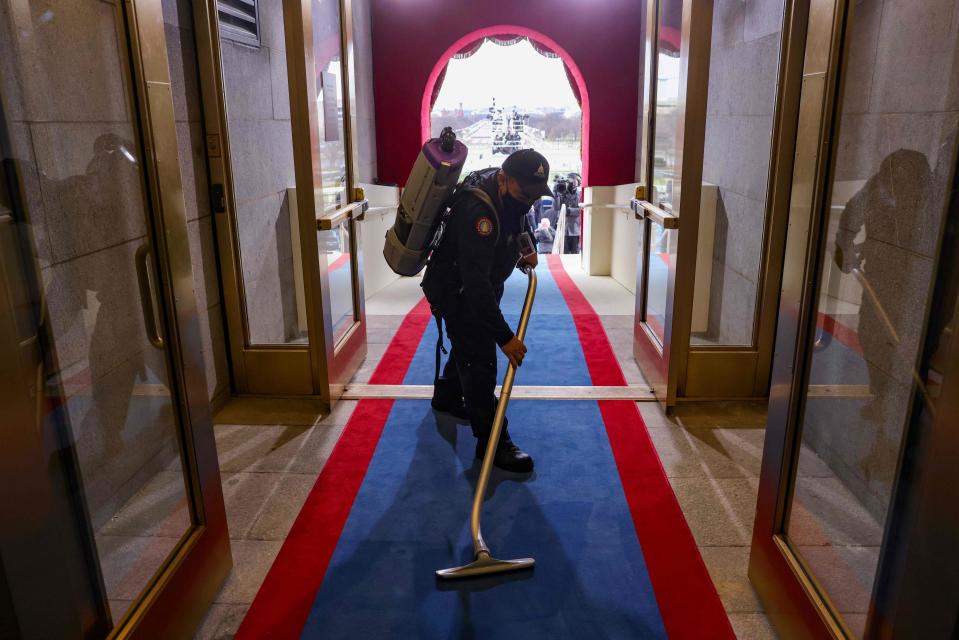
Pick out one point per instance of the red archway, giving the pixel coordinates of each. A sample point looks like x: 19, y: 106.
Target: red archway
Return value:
x: 473, y: 36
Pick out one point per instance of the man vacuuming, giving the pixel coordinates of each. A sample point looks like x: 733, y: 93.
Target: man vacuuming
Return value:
x: 464, y: 282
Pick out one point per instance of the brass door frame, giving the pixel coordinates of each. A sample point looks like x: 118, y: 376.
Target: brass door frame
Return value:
x: 258, y: 368
x: 319, y: 367
x: 186, y: 585
x: 333, y: 364
x: 650, y: 44
x: 179, y: 593
x: 350, y: 351
x: 731, y: 371
x: 813, y: 60
x: 664, y: 366
x: 742, y: 371
x: 721, y: 371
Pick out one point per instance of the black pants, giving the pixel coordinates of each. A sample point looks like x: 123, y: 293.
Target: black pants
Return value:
x: 572, y: 244
x: 470, y: 373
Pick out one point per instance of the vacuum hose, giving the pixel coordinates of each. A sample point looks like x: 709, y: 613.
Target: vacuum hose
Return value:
x: 483, y: 562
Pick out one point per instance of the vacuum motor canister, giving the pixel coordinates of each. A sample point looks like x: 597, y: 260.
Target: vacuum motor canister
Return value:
x: 431, y: 182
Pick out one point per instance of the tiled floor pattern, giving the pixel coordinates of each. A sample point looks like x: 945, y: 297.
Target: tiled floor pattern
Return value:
x: 267, y: 472
x: 711, y: 454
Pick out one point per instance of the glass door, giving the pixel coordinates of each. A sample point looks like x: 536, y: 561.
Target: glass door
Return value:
x: 677, y: 72
x: 109, y: 463
x: 741, y: 217
x: 242, y: 49
x: 277, y: 111
x: 847, y: 535
x: 339, y: 205
x: 712, y: 231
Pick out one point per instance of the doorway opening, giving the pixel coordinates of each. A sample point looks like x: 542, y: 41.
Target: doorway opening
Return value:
x: 503, y: 92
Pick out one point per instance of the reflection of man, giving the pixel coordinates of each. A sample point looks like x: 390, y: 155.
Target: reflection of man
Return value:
x: 101, y: 197
x: 112, y: 159
x: 889, y: 208
x: 464, y: 284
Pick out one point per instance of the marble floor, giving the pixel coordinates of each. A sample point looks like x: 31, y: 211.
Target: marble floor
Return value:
x: 711, y: 453
x: 271, y: 452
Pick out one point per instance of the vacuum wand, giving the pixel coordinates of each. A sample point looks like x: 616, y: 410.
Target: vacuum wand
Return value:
x: 483, y: 562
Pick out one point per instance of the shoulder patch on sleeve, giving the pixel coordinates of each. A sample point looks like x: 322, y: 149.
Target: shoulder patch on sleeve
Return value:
x: 484, y: 226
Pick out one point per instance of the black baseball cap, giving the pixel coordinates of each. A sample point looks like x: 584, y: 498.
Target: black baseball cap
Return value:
x: 531, y: 170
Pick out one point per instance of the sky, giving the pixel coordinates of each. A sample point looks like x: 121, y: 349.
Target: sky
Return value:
x: 515, y: 75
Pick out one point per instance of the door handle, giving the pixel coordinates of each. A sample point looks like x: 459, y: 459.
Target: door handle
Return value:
x: 645, y: 209
x: 146, y: 296
x: 352, y: 211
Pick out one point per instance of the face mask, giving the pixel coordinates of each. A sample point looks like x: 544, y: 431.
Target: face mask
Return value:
x: 514, y: 206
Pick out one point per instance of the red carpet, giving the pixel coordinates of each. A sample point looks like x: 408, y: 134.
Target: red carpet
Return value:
x: 689, y: 604
x: 283, y: 602
x: 687, y: 599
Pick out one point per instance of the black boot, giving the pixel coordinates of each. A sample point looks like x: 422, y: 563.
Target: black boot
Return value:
x: 508, y: 456
x: 452, y: 407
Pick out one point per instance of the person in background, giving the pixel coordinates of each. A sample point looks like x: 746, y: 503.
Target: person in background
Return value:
x: 566, y: 192
x: 544, y: 235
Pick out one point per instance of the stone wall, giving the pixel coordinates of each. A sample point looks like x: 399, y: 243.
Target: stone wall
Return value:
x: 261, y: 150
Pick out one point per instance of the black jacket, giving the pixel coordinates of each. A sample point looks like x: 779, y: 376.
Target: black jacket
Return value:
x: 477, y: 254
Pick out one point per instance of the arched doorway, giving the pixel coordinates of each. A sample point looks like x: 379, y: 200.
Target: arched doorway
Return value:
x: 508, y: 34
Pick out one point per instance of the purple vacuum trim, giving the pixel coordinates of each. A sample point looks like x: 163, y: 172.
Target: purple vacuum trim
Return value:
x: 435, y: 155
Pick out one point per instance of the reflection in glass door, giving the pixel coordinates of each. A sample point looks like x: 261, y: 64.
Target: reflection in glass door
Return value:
x: 890, y: 191
x: 660, y: 257
x: 860, y: 379
x: 89, y: 215
x: 88, y: 207
x: 44, y: 547
x: 677, y: 42
x: 330, y: 106
x: 337, y: 251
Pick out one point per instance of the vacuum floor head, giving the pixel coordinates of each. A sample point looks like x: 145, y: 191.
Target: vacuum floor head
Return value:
x: 485, y: 564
